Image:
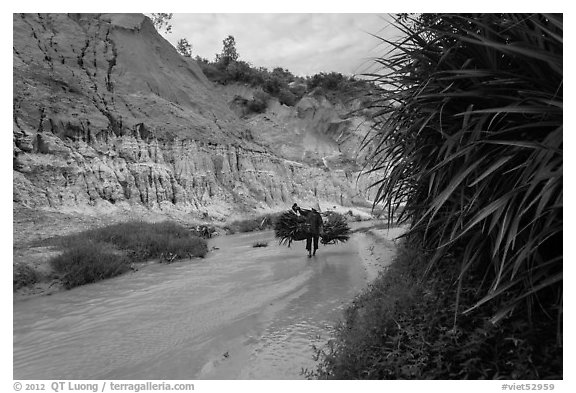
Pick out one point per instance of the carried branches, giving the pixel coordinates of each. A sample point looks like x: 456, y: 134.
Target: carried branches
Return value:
x: 291, y: 227
x: 336, y: 229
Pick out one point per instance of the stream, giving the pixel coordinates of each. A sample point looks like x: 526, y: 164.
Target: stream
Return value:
x: 240, y: 313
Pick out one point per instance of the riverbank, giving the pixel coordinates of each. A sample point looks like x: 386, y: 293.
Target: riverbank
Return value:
x: 405, y: 327
x: 377, y: 248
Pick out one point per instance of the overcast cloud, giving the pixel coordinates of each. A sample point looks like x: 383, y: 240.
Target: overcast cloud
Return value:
x: 305, y: 44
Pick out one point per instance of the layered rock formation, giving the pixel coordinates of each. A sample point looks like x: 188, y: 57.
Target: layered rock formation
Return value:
x: 106, y: 112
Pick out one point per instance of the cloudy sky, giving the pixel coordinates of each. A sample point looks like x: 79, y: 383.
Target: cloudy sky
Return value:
x: 305, y: 44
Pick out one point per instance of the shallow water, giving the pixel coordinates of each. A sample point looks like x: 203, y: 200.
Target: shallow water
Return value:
x: 240, y: 313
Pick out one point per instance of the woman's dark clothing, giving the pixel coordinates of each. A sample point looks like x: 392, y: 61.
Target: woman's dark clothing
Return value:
x: 309, y: 240
x: 314, y: 222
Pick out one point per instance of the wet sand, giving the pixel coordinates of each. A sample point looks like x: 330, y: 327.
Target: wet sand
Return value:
x: 377, y: 249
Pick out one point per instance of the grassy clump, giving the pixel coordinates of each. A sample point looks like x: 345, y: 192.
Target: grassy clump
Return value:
x: 106, y: 252
x: 404, y: 327
x: 88, y: 262
x: 23, y: 275
x: 142, y: 240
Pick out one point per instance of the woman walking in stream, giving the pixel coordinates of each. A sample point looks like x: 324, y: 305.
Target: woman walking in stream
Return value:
x: 314, y: 227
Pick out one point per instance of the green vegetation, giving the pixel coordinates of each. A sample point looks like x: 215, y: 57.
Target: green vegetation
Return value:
x: 106, y: 252
x: 336, y: 228
x: 87, y: 262
x: 259, y: 223
x: 257, y: 104
x: 469, y: 134
x: 476, y: 149
x: 184, y: 47
x: 161, y: 20
x: 290, y: 227
x: 279, y: 83
x: 23, y: 275
x: 403, y: 327
x: 229, y: 54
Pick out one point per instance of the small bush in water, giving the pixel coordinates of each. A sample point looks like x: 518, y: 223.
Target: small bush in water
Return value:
x: 88, y: 262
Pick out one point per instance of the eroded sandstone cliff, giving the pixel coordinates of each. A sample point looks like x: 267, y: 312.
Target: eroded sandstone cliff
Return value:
x: 107, y: 113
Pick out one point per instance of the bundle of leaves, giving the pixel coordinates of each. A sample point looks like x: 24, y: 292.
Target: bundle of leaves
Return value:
x: 336, y: 229
x: 469, y: 137
x: 290, y: 227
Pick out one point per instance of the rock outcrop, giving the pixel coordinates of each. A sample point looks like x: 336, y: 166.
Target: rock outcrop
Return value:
x: 106, y: 112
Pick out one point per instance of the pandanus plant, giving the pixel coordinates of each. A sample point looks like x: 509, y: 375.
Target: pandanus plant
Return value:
x: 469, y: 136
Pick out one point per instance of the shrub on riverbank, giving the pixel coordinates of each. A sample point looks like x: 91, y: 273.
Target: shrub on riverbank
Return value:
x: 23, y: 275
x: 87, y: 262
x: 404, y: 327
x: 104, y: 252
x: 143, y: 240
x: 259, y: 223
